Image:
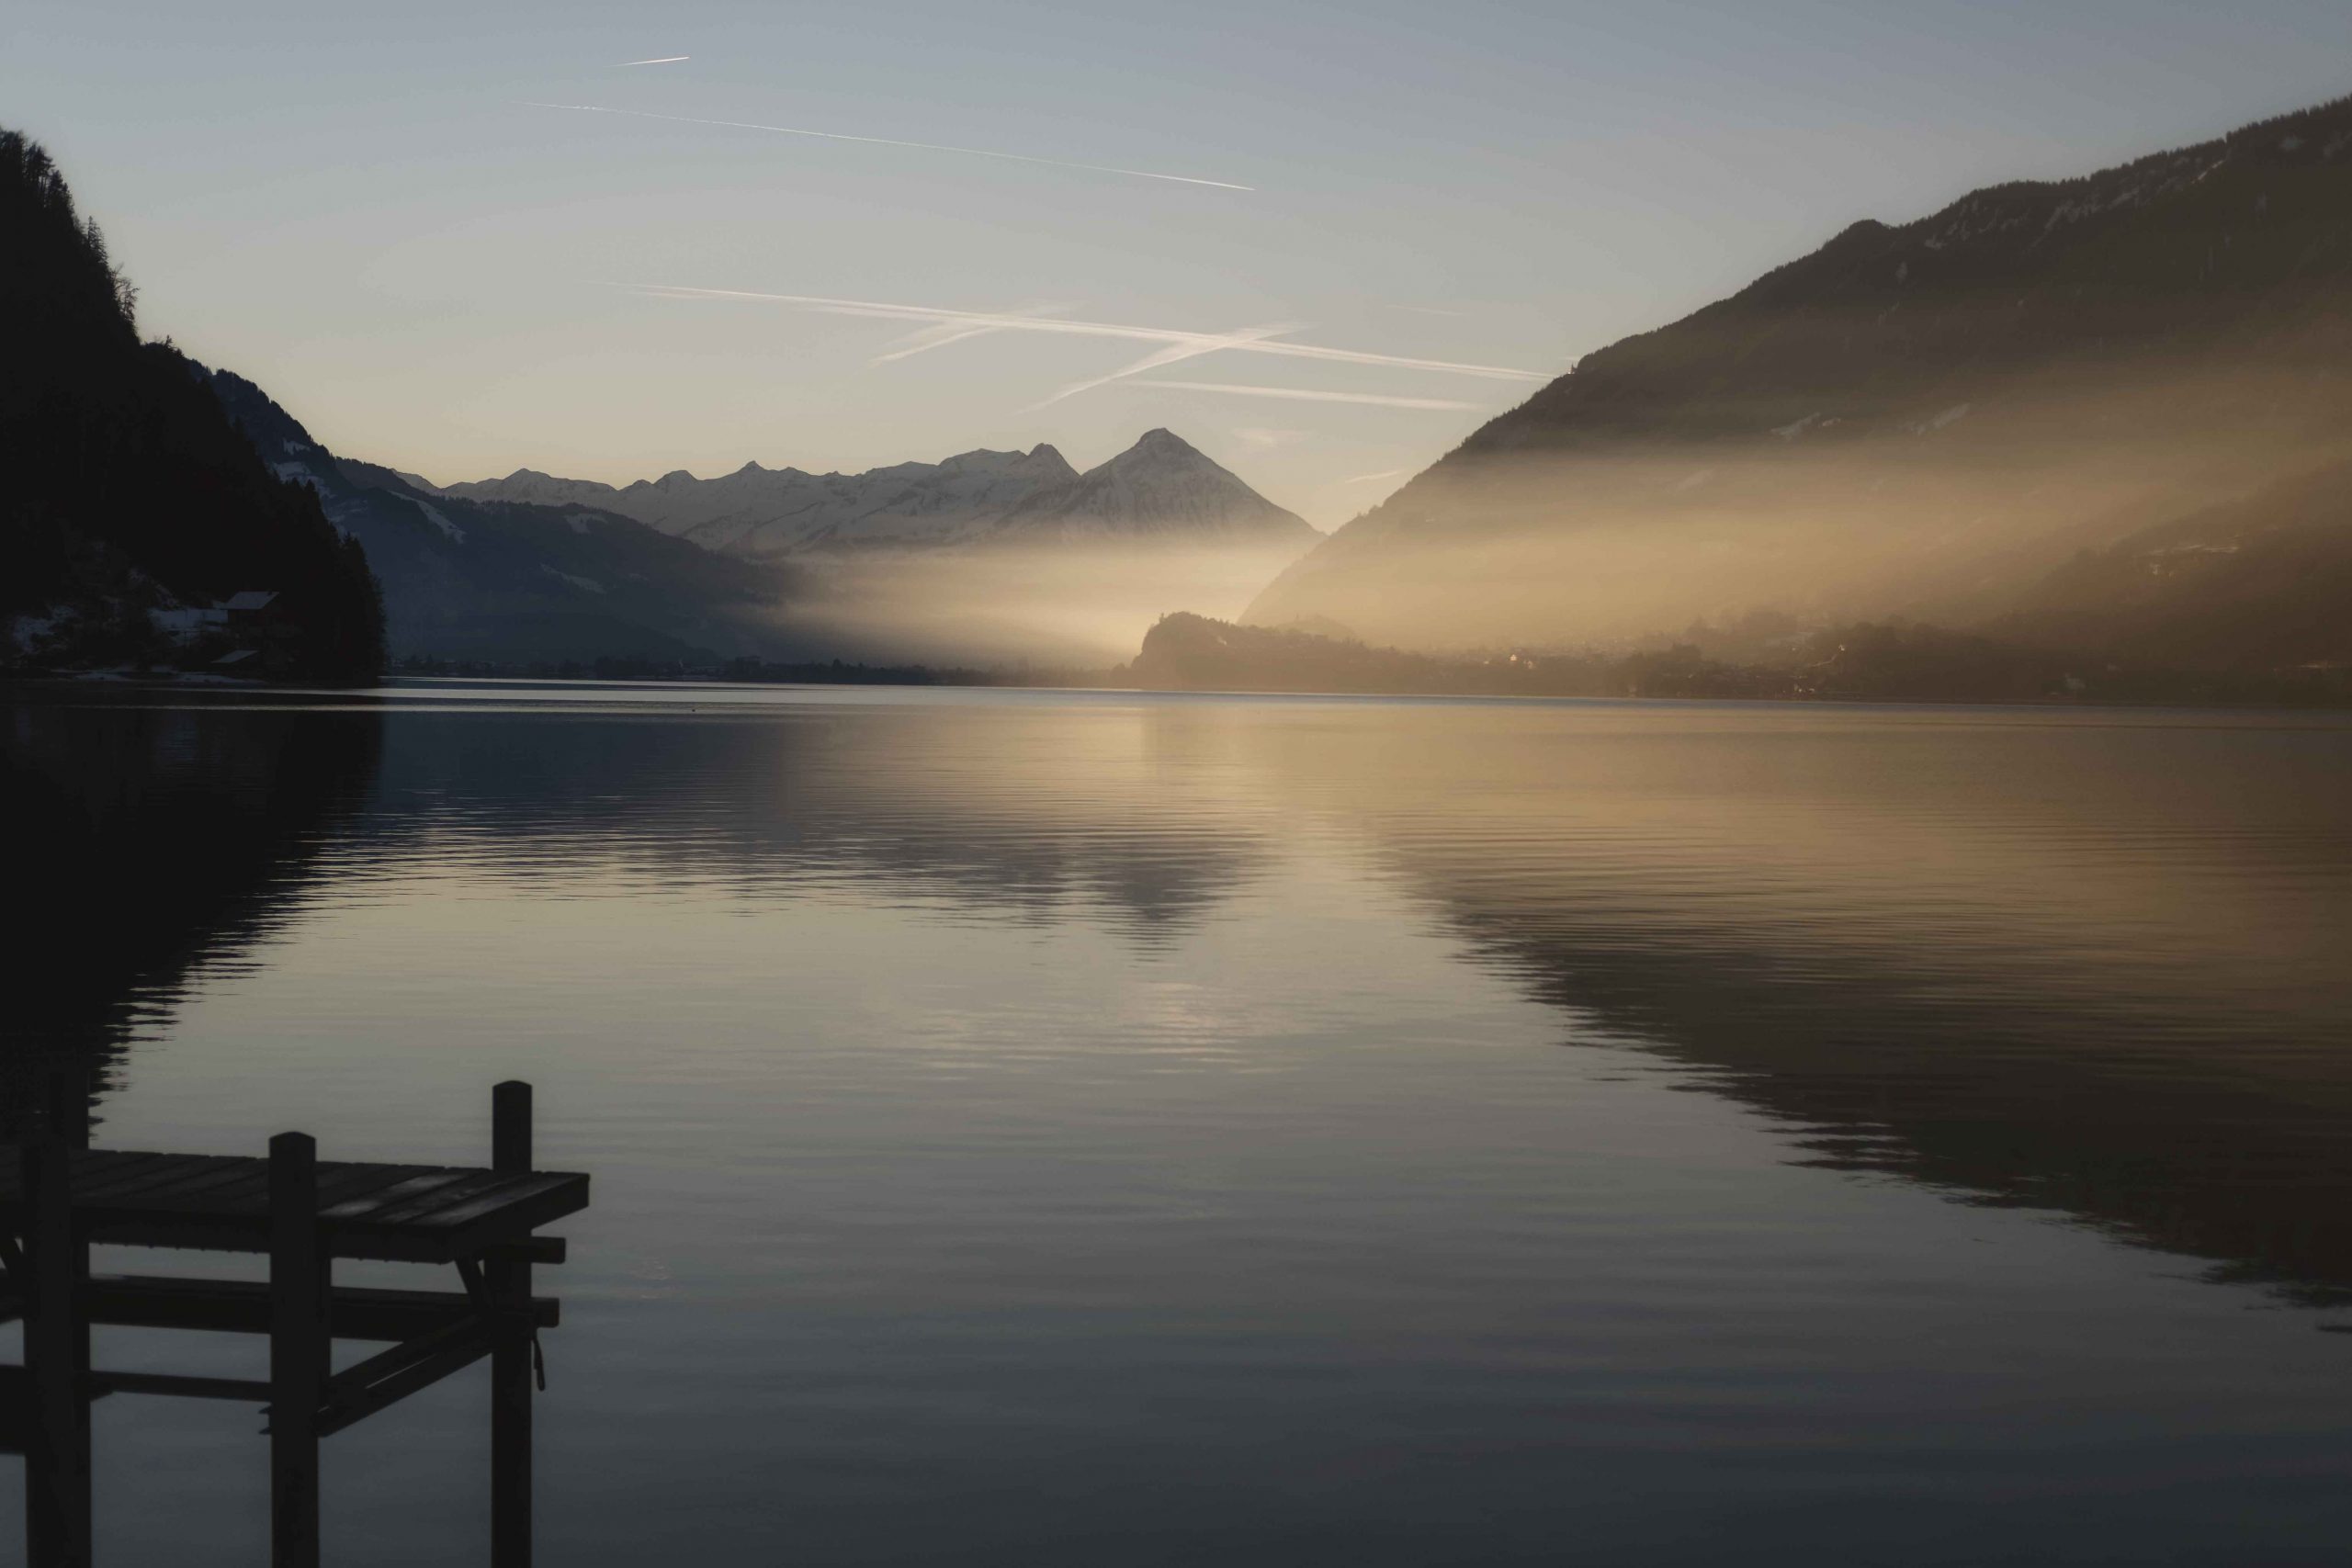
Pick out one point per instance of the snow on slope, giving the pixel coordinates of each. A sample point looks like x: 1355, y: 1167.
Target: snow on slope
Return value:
x: 1161, y: 489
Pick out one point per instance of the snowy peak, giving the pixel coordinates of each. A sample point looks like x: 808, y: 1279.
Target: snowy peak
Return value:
x: 1161, y: 489
x: 533, y: 488
x: 1161, y: 443
x: 1049, y: 461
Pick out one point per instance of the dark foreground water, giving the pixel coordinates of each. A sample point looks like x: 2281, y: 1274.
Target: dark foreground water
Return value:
x: 1096, y: 1129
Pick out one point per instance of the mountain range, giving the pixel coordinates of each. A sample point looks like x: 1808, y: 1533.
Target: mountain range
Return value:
x: 2013, y: 412
x: 1160, y: 490
x: 2108, y: 416
x: 511, y: 581
x: 767, y: 564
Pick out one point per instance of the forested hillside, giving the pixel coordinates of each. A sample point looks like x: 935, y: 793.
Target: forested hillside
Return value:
x: 130, y: 506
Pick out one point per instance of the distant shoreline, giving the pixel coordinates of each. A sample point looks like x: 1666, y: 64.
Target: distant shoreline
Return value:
x: 129, y: 683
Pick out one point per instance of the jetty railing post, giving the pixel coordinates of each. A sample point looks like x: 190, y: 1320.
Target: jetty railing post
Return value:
x: 511, y: 1347
x: 298, y: 1348
x: 57, y: 1354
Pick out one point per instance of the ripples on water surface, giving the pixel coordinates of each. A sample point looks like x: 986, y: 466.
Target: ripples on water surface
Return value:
x: 1083, y: 1128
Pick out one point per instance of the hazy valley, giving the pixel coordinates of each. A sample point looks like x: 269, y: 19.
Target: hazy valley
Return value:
x: 2089, y: 434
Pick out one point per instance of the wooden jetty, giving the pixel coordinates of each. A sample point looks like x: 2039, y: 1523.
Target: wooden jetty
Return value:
x: 302, y: 1213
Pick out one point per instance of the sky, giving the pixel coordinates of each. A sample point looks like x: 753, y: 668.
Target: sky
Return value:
x: 374, y: 212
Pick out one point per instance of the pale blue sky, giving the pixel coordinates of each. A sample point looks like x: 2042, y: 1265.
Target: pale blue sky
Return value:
x: 352, y: 205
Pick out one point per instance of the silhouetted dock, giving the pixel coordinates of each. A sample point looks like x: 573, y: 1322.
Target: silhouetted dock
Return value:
x: 304, y: 1214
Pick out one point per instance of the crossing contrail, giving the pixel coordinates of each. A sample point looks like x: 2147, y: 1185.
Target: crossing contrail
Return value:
x: 1172, y: 354
x: 889, y: 142
x: 923, y: 340
x: 1247, y: 341
x: 1305, y: 395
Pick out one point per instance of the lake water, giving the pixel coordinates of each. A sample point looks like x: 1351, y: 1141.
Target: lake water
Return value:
x: 1094, y: 1128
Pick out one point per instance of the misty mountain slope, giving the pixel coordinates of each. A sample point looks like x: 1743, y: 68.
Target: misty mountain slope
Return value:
x: 505, y: 581
x: 1924, y: 418
x: 1160, y: 490
x: 2265, y: 582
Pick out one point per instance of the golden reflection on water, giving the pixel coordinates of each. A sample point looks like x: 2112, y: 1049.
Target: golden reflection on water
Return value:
x: 1023, y: 1121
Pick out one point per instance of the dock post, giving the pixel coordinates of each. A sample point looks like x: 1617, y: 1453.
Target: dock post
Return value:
x: 298, y: 1348
x: 57, y: 1356
x: 512, y: 1351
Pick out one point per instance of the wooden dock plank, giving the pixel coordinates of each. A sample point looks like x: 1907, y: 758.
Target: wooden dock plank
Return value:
x: 94, y: 1178
x: 398, y: 1194
x: 207, y: 1191
x: 517, y: 1218
x: 400, y: 1213
x: 471, y: 1185
x: 343, y: 1184
x: 242, y: 1306
x: 512, y: 1190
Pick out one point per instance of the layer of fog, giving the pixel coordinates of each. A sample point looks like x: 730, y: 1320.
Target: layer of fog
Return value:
x: 1948, y: 509
x: 1072, y: 605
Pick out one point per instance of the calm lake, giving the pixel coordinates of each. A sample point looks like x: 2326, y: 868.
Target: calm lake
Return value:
x: 1096, y: 1128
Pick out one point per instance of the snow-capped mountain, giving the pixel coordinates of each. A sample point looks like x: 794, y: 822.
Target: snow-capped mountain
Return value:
x: 1161, y: 489
x: 536, y: 578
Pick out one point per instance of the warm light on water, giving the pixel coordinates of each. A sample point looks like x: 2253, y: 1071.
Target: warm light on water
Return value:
x: 1094, y: 1128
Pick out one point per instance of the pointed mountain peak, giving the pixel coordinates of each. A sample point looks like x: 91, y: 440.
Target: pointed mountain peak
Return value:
x: 1162, y: 442
x: 1046, y: 458
x: 1161, y: 450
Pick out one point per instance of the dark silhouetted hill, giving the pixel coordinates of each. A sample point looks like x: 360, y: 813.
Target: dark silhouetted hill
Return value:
x: 129, y: 496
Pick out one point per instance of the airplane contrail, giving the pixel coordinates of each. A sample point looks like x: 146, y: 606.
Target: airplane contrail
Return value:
x: 663, y: 60
x: 995, y: 320
x: 1172, y: 354
x: 1304, y: 395
x: 893, y: 142
x: 1383, y: 474
x: 923, y: 340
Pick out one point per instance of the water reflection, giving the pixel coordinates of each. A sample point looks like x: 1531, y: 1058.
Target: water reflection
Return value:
x: 1027, y: 1122
x: 1013, y: 811
x: 145, y: 840
x: 2088, y: 966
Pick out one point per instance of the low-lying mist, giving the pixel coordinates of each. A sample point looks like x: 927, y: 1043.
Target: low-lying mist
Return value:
x: 1071, y: 606
x: 1955, y: 511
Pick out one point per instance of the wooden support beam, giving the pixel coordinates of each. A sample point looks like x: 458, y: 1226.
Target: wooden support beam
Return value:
x: 530, y: 1249
x: 347, y: 1386
x: 298, y: 1350
x: 18, y: 1411
x: 18, y: 1414
x: 514, y: 1345
x: 252, y: 1390
x: 462, y: 1350
x: 243, y: 1306
x: 57, y: 1360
